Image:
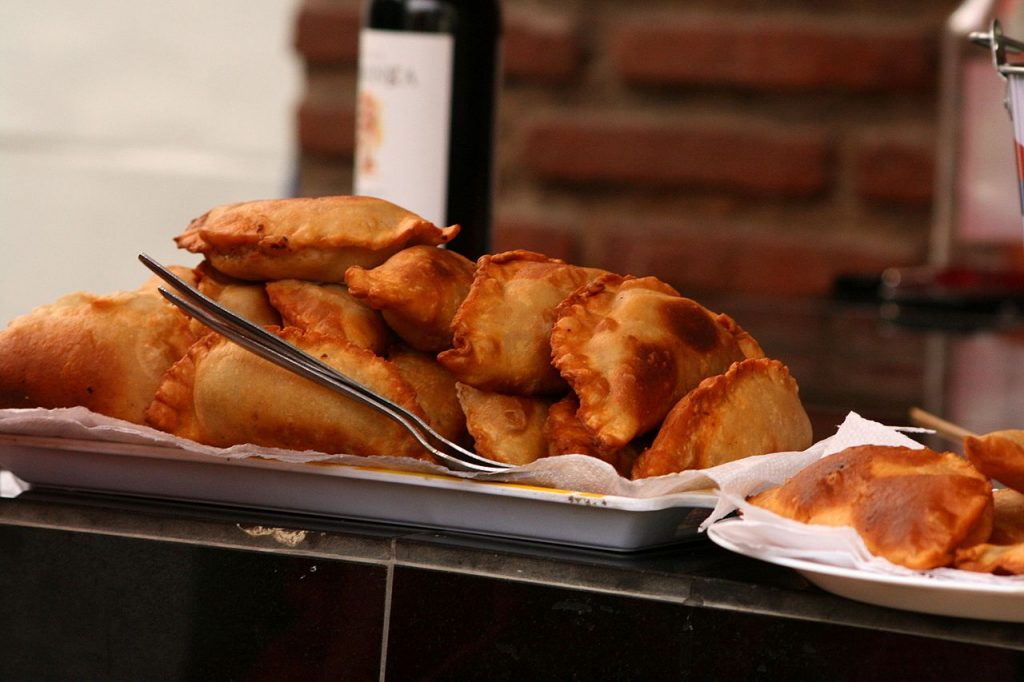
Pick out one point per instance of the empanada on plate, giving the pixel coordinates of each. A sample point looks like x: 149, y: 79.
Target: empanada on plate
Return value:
x: 631, y: 348
x: 329, y: 309
x: 1007, y: 517
x: 306, y: 238
x: 222, y: 395
x: 435, y: 391
x: 566, y: 435
x: 752, y: 409
x: 106, y: 353
x: 505, y: 428
x: 999, y: 455
x: 989, y: 558
x: 915, y: 507
x: 501, y: 332
x: 418, y: 291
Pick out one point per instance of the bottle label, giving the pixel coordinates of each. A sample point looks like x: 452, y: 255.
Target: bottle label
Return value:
x: 403, y: 119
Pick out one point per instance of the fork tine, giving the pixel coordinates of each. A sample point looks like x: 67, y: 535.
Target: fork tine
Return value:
x: 277, y: 350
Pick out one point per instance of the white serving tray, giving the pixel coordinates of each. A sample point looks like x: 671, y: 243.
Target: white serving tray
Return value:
x: 423, y: 500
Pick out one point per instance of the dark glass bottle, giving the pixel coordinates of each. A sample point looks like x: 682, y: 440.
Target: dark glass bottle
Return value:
x: 428, y: 83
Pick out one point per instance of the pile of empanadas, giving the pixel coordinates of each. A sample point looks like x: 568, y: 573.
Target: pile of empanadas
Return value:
x: 518, y: 355
x: 917, y: 507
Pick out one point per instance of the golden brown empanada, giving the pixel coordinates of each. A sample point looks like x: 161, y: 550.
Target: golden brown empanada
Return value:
x: 246, y: 299
x: 505, y: 428
x: 989, y: 558
x: 999, y: 455
x: 1007, y: 517
x: 329, y: 309
x: 151, y: 285
x: 566, y: 435
x: 222, y: 395
x: 418, y: 291
x: 106, y: 353
x: 631, y: 348
x: 435, y: 391
x: 752, y: 409
x: 501, y: 332
x: 306, y: 238
x: 747, y: 343
x: 913, y: 507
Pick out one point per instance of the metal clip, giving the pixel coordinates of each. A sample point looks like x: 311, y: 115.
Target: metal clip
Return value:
x: 1000, y: 45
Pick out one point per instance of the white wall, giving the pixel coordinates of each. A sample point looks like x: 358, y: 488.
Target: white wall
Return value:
x: 120, y: 122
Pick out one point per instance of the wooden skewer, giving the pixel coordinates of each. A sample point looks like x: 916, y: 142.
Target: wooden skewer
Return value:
x: 948, y: 430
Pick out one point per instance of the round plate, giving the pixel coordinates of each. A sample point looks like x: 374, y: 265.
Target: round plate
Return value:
x: 945, y: 596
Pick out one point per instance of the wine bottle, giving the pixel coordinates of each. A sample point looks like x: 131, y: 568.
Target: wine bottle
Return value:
x: 427, y: 90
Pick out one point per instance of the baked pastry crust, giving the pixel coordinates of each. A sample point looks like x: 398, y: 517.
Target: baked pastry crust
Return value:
x: 913, y: 507
x: 631, y: 348
x: 989, y: 558
x: 752, y: 409
x: 505, y: 428
x: 1007, y: 517
x: 329, y: 309
x: 418, y: 290
x: 501, y: 332
x: 566, y: 435
x: 306, y: 238
x: 106, y: 353
x: 999, y: 455
x: 435, y: 391
x: 222, y: 395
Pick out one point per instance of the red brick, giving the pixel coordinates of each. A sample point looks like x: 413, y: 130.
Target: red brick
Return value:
x: 777, y: 53
x: 742, y: 156
x: 713, y: 258
x: 328, y: 33
x: 541, y: 48
x: 895, y: 170
x: 327, y: 130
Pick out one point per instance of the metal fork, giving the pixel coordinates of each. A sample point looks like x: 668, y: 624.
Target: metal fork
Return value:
x: 264, y: 344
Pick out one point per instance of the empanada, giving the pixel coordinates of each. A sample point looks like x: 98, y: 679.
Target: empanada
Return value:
x: 155, y: 282
x: 505, y: 428
x: 329, y: 309
x: 999, y: 455
x: 747, y: 343
x: 306, y: 238
x: 913, y: 507
x: 435, y: 391
x: 501, y: 332
x: 418, y: 291
x: 631, y: 348
x: 222, y: 395
x: 752, y: 409
x: 1007, y: 517
x: 247, y: 299
x: 989, y: 558
x: 106, y: 353
x: 566, y: 435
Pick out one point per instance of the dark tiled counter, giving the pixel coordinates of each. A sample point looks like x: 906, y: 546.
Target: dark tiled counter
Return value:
x: 114, y: 589
x: 100, y: 587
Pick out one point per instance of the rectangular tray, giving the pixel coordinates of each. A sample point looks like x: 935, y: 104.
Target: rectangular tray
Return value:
x: 509, y: 510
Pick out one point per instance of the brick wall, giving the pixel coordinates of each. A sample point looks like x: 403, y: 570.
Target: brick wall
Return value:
x: 722, y: 146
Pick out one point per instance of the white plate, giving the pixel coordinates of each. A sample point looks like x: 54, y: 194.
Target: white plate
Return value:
x: 407, y: 498
x: 921, y: 593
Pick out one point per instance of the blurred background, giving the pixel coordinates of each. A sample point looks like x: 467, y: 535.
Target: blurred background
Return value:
x: 120, y: 122
x: 737, y: 146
